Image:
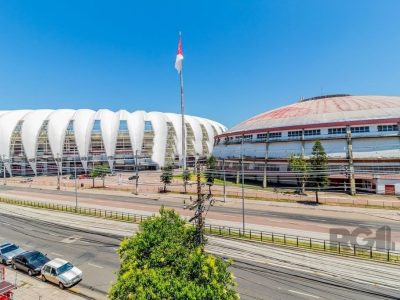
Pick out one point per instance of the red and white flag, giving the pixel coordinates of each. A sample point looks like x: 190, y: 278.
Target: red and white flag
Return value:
x: 179, y: 56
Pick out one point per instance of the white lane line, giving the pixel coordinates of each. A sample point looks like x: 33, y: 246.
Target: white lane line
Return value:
x: 56, y: 254
x: 96, y: 266
x: 53, y: 234
x: 304, y: 294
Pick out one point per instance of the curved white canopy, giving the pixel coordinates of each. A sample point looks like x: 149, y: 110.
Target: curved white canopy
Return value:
x: 58, y: 123
x: 33, y: 122
x: 83, y: 124
x: 8, y: 122
x: 136, y: 129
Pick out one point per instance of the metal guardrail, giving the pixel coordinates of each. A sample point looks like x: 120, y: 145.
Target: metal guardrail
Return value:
x: 231, y: 232
x: 306, y: 243
x: 88, y: 211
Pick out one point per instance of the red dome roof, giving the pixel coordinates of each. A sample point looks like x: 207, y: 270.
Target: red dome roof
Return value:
x: 325, y: 111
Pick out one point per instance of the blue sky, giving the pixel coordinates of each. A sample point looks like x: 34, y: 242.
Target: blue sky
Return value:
x: 241, y: 57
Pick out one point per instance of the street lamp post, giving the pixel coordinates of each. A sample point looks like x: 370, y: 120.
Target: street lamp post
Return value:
x: 4, y: 170
x: 76, y: 188
x: 224, y: 173
x: 58, y: 171
x: 137, y: 173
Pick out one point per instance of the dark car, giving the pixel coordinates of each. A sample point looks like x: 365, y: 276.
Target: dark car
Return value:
x: 30, y: 262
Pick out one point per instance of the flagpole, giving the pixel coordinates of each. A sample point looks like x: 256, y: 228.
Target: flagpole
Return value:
x: 182, y: 103
x: 183, y: 121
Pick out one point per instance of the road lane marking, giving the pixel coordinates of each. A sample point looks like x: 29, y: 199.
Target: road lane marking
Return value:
x: 304, y: 294
x: 96, y: 266
x: 56, y: 254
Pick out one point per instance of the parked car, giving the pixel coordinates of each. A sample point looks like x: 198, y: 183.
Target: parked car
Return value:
x: 8, y: 251
x: 30, y: 262
x: 61, y: 272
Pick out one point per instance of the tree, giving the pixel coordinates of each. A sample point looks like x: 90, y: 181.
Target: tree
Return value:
x: 163, y: 261
x: 298, y: 164
x: 100, y: 171
x: 318, y: 168
x: 186, y: 177
x: 211, y: 171
x: 166, y: 176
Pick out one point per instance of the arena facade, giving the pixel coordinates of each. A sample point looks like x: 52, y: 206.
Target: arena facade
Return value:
x: 360, y: 135
x: 44, y: 141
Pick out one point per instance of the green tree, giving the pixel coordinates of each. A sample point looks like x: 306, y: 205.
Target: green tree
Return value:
x: 298, y: 164
x: 211, y: 171
x: 166, y: 176
x: 100, y: 171
x: 318, y: 168
x: 163, y: 261
x: 186, y: 177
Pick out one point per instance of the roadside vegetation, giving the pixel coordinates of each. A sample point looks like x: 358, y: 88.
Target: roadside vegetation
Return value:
x: 166, y: 176
x: 99, y: 172
x: 164, y: 261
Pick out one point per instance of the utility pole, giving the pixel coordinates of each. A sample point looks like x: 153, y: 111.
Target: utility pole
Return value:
x: 350, y: 161
x: 242, y: 156
x: 199, y: 206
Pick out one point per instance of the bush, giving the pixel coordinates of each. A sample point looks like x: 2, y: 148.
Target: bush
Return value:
x: 163, y: 261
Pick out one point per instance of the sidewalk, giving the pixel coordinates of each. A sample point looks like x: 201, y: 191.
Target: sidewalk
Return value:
x: 32, y: 288
x: 149, y: 183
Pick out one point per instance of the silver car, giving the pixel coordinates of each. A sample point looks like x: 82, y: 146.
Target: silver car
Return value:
x: 8, y: 251
x: 61, y: 272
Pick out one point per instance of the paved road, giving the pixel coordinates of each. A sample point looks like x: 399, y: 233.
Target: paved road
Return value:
x: 310, y: 217
x: 260, y: 272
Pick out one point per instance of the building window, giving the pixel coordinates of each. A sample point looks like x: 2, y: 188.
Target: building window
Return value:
x: 275, y: 135
x: 248, y: 138
x: 294, y: 133
x: 262, y: 136
x: 96, y: 126
x: 123, y: 126
x: 337, y: 130
x: 393, y: 127
x: 360, y: 129
x: 148, y: 126
x: 312, y: 132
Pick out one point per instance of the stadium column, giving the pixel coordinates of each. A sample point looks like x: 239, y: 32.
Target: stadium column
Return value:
x: 350, y: 160
x: 265, y: 181
x: 302, y: 143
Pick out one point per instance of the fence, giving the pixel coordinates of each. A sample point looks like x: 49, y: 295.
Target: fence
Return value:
x: 94, y: 212
x: 231, y: 232
x: 305, y: 243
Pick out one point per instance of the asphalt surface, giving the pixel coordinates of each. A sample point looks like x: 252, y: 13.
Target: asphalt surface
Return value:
x: 331, y: 221
x: 95, y: 254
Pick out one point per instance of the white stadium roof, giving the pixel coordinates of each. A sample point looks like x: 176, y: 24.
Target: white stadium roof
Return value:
x: 83, y: 119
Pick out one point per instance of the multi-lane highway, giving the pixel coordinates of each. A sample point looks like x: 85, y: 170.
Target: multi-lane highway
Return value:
x: 261, y: 214
x: 262, y: 272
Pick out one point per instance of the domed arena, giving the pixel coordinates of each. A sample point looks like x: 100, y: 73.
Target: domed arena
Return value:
x: 360, y: 135
x: 45, y: 141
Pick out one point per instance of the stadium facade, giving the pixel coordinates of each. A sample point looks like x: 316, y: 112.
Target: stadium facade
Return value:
x: 44, y: 141
x: 359, y: 133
